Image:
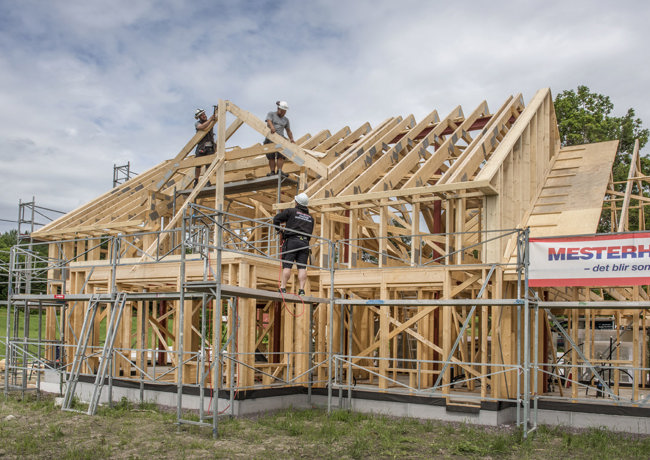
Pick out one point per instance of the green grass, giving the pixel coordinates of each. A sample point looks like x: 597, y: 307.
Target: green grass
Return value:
x: 33, y: 327
x: 40, y: 430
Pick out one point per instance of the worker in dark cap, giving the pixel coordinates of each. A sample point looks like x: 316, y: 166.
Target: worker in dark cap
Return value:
x: 206, y: 145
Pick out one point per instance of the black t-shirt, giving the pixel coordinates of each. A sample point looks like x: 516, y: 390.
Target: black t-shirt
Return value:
x: 206, y: 145
x: 297, y: 218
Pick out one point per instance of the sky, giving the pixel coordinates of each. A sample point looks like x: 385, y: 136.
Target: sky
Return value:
x: 86, y: 85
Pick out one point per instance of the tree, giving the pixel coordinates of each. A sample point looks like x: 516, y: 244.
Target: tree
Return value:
x: 7, y: 240
x: 37, y: 266
x: 584, y: 117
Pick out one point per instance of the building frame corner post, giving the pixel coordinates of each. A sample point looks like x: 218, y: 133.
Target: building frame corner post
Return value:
x: 330, y: 331
x: 217, y: 314
x: 523, y: 262
x: 181, y: 318
x: 8, y: 362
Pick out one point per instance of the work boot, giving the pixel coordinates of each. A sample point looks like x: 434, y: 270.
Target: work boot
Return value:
x: 301, y: 292
x: 282, y: 290
x: 272, y: 173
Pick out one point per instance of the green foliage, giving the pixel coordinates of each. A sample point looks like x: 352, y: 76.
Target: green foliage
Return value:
x: 90, y: 453
x: 20, y: 320
x: 118, y: 408
x: 584, y: 117
x: 37, y: 261
x: 55, y: 431
x: 7, y: 240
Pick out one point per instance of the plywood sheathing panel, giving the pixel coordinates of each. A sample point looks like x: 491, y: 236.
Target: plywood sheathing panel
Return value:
x: 570, y: 202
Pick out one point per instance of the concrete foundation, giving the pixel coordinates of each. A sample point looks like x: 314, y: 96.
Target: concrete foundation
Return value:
x: 576, y: 415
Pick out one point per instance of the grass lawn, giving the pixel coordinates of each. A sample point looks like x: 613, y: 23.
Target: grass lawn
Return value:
x: 33, y: 327
x: 37, y: 429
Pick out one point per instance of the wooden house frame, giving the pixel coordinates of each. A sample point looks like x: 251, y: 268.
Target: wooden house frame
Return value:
x: 417, y: 275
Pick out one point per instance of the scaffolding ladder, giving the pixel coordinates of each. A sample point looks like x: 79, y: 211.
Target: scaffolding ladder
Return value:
x: 107, y: 351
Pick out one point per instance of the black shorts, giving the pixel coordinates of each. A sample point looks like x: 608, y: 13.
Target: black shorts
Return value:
x: 274, y: 155
x: 295, y: 250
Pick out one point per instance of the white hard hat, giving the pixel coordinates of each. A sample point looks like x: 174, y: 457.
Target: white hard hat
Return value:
x: 302, y: 199
x: 198, y: 113
x: 282, y: 105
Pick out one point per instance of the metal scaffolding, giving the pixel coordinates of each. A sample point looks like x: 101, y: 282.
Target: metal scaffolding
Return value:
x: 205, y: 234
x: 122, y: 173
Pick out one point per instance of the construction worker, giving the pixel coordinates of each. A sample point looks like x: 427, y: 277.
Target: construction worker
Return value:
x: 295, y: 247
x: 277, y: 123
x: 206, y: 145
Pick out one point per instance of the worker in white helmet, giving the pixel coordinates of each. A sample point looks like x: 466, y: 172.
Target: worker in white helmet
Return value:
x: 299, y: 225
x: 206, y: 145
x: 278, y: 123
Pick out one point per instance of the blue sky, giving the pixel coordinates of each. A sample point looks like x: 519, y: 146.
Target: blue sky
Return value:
x: 88, y: 84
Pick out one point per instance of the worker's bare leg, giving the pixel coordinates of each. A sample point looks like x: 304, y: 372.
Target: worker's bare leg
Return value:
x: 280, y: 163
x: 302, y: 277
x: 272, y: 165
x: 286, y: 274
